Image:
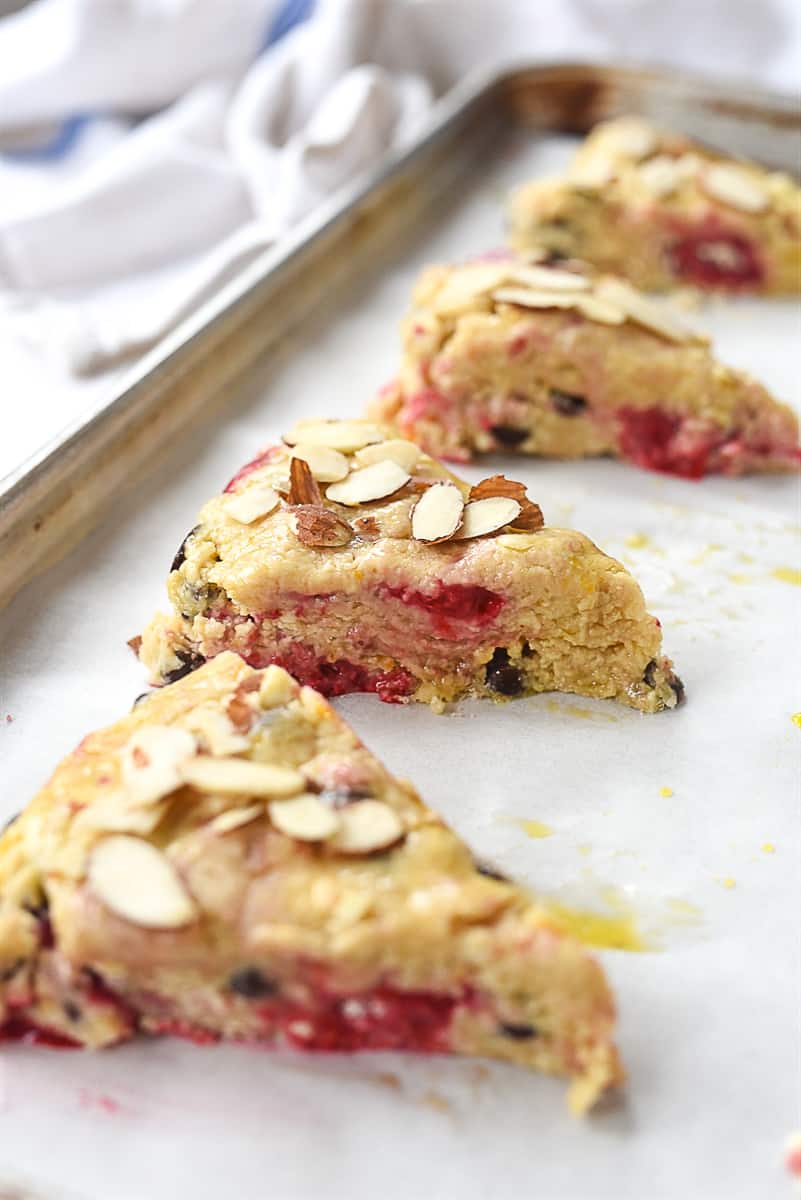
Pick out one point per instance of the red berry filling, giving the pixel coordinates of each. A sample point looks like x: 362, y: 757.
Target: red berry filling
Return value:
x: 337, y: 678
x: 712, y: 256
x: 651, y: 437
x: 19, y: 1029
x: 451, y: 604
x: 383, y: 1019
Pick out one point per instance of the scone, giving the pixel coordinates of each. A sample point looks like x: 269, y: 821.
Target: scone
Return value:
x: 229, y: 861
x: 358, y: 563
x: 663, y: 210
x: 556, y: 361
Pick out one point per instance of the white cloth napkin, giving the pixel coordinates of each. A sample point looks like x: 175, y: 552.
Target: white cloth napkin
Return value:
x: 188, y: 147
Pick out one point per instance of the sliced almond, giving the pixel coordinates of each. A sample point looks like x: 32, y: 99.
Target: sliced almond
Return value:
x: 216, y: 732
x: 594, y: 308
x: 303, y: 487
x: 240, y: 776
x: 397, y: 450
x: 592, y: 174
x: 544, y: 278
x: 325, y: 464
x: 643, y: 311
x: 251, y: 504
x: 530, y: 517
x: 316, y: 525
x: 465, y: 285
x: 529, y: 298
x: 137, y: 882
x: 660, y: 176
x: 305, y: 817
x: 631, y: 137
x: 114, y: 814
x: 438, y: 513
x: 485, y: 516
x: 367, y: 826
x: 234, y: 818
x: 151, y: 761
x: 375, y: 482
x: 346, y: 436
x: 277, y: 687
x: 735, y: 186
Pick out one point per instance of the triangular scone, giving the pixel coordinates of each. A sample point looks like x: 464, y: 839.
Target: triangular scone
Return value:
x: 552, y: 360
x: 229, y: 861
x: 663, y: 211
x: 413, y: 594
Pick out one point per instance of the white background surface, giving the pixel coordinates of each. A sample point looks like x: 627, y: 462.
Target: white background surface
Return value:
x: 708, y: 1022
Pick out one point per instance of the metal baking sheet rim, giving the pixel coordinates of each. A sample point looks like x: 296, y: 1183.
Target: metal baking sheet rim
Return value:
x: 56, y: 497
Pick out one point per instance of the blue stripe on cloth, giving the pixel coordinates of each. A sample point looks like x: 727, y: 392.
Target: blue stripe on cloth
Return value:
x: 59, y: 146
x: 292, y: 13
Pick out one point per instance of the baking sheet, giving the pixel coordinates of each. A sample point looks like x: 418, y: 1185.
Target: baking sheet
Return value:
x: 708, y: 1019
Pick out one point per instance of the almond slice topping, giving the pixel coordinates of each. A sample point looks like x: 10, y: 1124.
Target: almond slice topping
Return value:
x: 234, y: 818
x: 485, y: 516
x: 325, y: 464
x: 316, y: 525
x: 306, y: 818
x: 241, y: 777
x: 438, y: 513
x: 660, y: 176
x: 367, y: 826
x: 547, y: 279
x: 277, y: 687
x: 631, y: 137
x: 643, y: 311
x: 592, y: 174
x: 249, y: 505
x: 375, y: 482
x: 138, y: 883
x: 303, y: 488
x: 734, y: 186
x: 216, y: 731
x: 397, y: 450
x: 151, y: 762
x: 530, y: 517
x: 346, y: 436
x: 587, y: 304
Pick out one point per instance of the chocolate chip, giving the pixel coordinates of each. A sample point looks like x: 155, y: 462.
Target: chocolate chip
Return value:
x: 566, y: 403
x: 71, y: 1011
x: 491, y: 872
x: 10, y: 822
x: 189, y: 663
x: 501, y: 676
x: 508, y: 435
x: 649, y: 675
x: 180, y: 555
x: 518, y: 1033
x: 677, y: 687
x: 252, y: 983
x: 9, y: 972
x: 140, y: 698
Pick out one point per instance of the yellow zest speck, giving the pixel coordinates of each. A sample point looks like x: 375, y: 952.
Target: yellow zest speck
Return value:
x: 666, y: 792
x: 618, y: 932
x: 739, y: 577
x: 796, y: 719
x: 585, y: 848
x: 768, y: 848
x: 638, y: 541
x: 536, y: 829
x: 730, y: 883
x: 787, y: 575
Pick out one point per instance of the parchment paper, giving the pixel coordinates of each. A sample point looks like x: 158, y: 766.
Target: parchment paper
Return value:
x: 708, y: 1019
